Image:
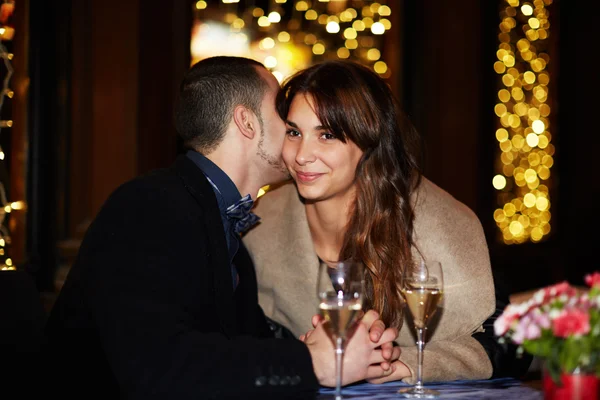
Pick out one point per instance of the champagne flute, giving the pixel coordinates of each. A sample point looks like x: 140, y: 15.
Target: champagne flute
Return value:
x: 422, y: 290
x: 340, y: 293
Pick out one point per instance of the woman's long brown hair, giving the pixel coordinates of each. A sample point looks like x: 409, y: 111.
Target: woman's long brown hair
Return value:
x: 355, y: 104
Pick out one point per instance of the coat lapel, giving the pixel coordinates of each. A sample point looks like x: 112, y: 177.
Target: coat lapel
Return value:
x: 218, y: 256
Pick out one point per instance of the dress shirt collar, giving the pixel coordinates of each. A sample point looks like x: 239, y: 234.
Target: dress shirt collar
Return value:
x: 217, y: 177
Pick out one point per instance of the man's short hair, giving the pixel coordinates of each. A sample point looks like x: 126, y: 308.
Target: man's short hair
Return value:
x: 209, y: 93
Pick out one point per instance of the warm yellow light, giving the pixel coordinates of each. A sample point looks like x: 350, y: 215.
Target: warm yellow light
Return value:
x: 532, y: 140
x: 358, y: 25
x: 278, y: 75
x: 350, y: 33
x: 17, y: 205
x: 499, y: 182
x: 529, y: 77
x: 504, y: 95
x: 8, y: 262
x: 7, y: 209
x: 351, y: 43
x: 499, y: 67
x: 345, y: 16
x: 384, y: 11
x: 2, y: 243
x: 534, y: 23
x: 310, y: 39
x: 1, y: 155
x: 200, y: 5
x: 238, y: 24
x: 311, y: 15
x: 526, y: 9
x: 500, y: 109
x: 542, y: 203
x: 343, y: 52
x: 387, y: 24
x: 318, y: 48
x: 302, y: 6
x: 332, y: 27
x: 373, y: 54
x: 258, y: 12
x: 516, y: 228
x: 262, y: 191
x: 529, y: 200
x: 283, y: 37
x: 538, y: 126
x: 380, y: 67
x: 266, y: 43
x: 270, y: 62
x: 263, y: 21
x: 274, y: 17
x: 501, y: 135
x: 377, y: 28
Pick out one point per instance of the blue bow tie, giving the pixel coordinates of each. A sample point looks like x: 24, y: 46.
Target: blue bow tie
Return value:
x: 240, y: 216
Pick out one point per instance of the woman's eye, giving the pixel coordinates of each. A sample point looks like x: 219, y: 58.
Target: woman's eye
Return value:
x: 292, y: 132
x: 328, y: 136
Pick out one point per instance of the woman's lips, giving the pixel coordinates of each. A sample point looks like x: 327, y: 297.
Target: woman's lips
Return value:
x: 306, y: 177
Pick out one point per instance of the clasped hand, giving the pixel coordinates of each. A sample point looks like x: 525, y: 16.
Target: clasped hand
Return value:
x: 370, y: 353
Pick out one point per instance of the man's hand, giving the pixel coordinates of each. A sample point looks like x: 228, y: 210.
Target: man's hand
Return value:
x: 370, y: 353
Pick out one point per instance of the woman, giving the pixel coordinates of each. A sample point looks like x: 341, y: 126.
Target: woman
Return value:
x: 359, y: 193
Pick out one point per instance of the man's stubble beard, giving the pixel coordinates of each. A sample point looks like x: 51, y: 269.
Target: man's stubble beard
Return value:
x: 275, y: 163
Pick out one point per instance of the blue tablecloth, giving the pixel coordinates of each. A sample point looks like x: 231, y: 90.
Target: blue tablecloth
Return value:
x: 501, y: 389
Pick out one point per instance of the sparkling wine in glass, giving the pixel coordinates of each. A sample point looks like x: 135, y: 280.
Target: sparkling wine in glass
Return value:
x: 340, y: 293
x: 422, y: 290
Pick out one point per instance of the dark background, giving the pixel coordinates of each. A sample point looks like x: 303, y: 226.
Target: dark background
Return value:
x: 102, y: 81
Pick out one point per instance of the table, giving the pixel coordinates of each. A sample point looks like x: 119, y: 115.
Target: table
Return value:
x: 490, y: 389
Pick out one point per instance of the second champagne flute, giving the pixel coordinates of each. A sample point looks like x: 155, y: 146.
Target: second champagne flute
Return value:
x: 340, y: 293
x: 422, y: 290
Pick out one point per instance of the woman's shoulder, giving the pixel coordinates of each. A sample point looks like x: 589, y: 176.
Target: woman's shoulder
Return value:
x: 277, y: 197
x: 432, y: 200
x: 438, y: 211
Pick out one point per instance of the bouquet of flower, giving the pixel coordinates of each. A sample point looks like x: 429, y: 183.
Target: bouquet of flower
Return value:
x: 559, y: 324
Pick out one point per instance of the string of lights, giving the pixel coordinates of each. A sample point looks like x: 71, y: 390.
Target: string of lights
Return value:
x: 524, y: 138
x: 290, y: 35
x: 6, y: 34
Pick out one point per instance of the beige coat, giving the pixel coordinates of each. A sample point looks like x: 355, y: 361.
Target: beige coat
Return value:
x: 446, y: 230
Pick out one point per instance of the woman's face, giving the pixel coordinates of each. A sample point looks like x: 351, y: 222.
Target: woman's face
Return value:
x: 322, y: 166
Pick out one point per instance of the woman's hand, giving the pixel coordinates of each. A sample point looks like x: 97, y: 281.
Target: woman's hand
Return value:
x: 399, y: 371
x: 370, y: 353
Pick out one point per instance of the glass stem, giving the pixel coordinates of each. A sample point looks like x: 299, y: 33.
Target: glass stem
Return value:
x: 420, y: 345
x: 339, y: 354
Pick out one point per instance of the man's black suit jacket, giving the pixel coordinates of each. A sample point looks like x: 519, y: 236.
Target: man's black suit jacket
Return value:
x: 148, y: 310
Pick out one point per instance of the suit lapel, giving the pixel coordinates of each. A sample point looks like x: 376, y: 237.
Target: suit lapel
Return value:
x: 218, y: 256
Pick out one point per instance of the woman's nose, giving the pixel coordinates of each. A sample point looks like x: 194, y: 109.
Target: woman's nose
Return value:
x: 306, y: 152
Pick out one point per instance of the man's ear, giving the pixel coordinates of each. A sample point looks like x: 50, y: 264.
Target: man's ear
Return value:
x: 245, y: 121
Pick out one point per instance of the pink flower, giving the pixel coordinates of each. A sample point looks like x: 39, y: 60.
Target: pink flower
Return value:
x: 510, y: 314
x: 571, y: 322
x: 562, y: 288
x: 593, y: 280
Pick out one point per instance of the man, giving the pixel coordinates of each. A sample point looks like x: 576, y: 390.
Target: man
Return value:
x: 161, y: 302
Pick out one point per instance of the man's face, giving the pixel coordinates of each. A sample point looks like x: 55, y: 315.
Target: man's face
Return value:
x: 272, y: 134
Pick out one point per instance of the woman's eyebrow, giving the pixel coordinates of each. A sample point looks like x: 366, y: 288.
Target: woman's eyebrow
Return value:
x: 316, y: 128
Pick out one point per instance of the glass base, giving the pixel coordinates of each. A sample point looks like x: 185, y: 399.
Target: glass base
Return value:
x: 417, y: 392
